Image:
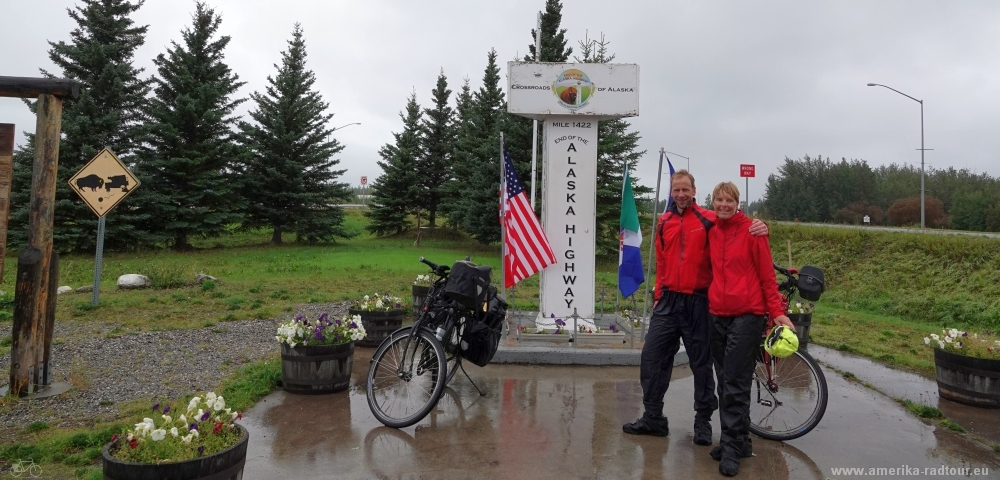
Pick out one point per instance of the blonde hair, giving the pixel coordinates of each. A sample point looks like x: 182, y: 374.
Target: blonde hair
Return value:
x: 681, y: 173
x: 728, y: 188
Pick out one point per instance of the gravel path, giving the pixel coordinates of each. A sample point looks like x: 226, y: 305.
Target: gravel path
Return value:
x: 106, y: 369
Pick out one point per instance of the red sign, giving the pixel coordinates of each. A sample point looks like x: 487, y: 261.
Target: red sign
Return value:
x: 364, y: 180
x: 746, y: 170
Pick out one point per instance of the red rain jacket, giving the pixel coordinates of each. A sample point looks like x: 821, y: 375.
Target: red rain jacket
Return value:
x: 682, y: 262
x: 744, y: 281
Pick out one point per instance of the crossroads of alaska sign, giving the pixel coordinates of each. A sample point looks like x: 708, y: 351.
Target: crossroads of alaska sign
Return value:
x: 604, y: 90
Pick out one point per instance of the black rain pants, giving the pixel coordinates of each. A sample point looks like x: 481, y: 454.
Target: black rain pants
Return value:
x: 676, y: 316
x: 735, y: 343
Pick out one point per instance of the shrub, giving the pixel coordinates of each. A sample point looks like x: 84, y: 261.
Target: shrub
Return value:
x: 167, y: 275
x: 906, y: 211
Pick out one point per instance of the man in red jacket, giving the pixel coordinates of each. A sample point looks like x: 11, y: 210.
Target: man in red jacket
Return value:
x: 683, y: 275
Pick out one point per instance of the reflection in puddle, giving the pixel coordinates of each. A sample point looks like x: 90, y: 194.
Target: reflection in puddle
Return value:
x: 565, y: 422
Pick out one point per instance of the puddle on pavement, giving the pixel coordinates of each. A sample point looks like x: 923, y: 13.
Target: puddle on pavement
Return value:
x: 983, y: 422
x: 565, y: 422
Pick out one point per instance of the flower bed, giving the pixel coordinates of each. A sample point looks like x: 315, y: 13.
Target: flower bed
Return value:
x: 205, y: 428
x: 543, y: 336
x: 967, y: 367
x: 598, y: 336
x: 317, y: 355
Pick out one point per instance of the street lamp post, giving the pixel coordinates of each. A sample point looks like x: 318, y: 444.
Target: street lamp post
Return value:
x: 364, y: 188
x: 922, y: 149
x: 342, y: 126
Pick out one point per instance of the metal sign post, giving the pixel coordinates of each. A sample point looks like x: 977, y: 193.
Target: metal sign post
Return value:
x: 98, y: 261
x: 102, y: 184
x: 747, y: 171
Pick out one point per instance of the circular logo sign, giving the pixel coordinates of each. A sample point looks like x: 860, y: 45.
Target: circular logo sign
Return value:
x: 573, y: 89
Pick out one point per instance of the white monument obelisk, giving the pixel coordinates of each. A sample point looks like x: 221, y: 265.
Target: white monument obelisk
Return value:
x: 569, y: 99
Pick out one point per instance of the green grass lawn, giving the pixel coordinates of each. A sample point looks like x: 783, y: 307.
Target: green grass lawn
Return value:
x: 256, y: 279
x: 260, y: 280
x: 890, y: 340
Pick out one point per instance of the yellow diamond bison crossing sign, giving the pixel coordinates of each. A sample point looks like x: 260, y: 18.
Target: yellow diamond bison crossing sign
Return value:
x: 103, y: 182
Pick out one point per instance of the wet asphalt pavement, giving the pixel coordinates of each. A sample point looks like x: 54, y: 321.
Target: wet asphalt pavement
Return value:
x: 555, y: 422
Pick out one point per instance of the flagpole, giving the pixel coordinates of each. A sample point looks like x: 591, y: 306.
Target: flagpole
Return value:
x: 621, y: 252
x: 503, y: 228
x: 534, y: 123
x: 652, y: 243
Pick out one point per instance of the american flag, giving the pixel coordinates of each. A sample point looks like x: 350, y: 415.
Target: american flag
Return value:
x: 525, y: 249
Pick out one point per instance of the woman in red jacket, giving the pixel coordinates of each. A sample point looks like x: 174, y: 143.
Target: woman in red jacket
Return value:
x: 743, y: 300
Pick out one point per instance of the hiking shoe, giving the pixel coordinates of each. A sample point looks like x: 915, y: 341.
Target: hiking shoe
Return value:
x: 655, y: 426
x: 702, y: 432
x: 729, y: 466
x: 716, y: 452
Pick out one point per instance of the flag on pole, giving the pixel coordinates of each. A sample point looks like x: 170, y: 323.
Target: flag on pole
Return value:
x: 526, y: 250
x: 629, y: 240
x: 670, y: 198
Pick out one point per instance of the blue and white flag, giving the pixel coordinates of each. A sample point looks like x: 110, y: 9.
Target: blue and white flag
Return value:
x: 630, y: 274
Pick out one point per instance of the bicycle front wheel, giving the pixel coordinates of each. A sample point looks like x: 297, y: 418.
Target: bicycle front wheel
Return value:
x: 790, y: 401
x: 403, y: 381
x: 452, y: 349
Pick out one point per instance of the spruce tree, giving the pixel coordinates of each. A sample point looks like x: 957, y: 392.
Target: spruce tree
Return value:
x: 616, y: 151
x: 289, y: 183
x: 188, y: 172
x: 553, y: 38
x: 108, y: 114
x: 463, y: 126
x: 395, y: 193
x: 434, y: 168
x: 478, y: 159
x: 517, y: 129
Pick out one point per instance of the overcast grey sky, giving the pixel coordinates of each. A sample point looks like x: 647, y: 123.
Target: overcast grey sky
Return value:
x: 723, y: 82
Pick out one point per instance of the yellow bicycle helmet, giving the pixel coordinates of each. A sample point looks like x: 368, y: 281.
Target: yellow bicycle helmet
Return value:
x: 781, y: 342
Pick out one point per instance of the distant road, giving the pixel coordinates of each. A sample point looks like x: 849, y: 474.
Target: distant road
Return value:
x: 929, y: 231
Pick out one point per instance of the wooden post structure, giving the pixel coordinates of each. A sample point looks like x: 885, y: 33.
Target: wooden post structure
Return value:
x: 37, y: 272
x: 6, y: 177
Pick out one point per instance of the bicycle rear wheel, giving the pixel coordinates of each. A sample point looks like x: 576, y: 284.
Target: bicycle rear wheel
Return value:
x: 791, y: 401
x: 403, y: 382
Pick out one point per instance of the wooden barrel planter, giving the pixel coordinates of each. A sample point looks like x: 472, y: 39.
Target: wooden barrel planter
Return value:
x: 967, y: 380
x: 419, y: 295
x: 378, y: 325
x: 225, y: 465
x: 316, y: 369
x: 802, y: 322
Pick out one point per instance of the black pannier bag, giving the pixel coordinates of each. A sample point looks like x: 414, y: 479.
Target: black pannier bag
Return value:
x: 468, y: 284
x: 482, y: 335
x: 811, y: 283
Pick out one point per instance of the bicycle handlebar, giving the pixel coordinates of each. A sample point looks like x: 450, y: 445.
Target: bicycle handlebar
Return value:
x: 439, y: 270
x: 788, y: 285
x: 784, y: 271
